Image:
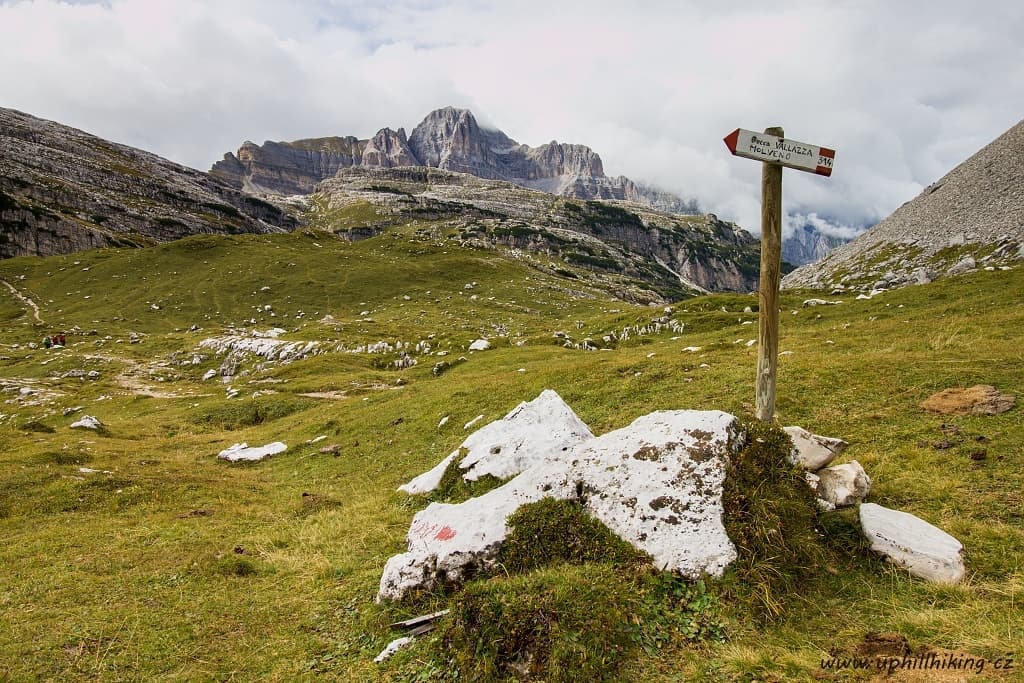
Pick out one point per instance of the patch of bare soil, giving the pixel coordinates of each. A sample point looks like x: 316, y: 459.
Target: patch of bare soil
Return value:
x: 980, y: 399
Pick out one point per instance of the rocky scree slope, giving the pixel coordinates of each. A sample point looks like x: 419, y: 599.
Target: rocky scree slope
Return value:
x: 972, y: 217
x: 63, y: 190
x: 672, y: 255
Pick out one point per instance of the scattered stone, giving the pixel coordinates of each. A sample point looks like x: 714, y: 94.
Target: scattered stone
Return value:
x: 480, y: 345
x: 820, y: 302
x: 964, y: 265
x: 87, y: 422
x: 843, y: 485
x: 811, y: 451
x: 981, y: 399
x: 472, y: 422
x: 89, y: 470
x: 656, y: 483
x: 209, y: 374
x: 74, y: 373
x: 393, y: 647
x: 71, y: 410
x: 912, y: 543
x: 333, y: 449
x: 691, y: 349
x: 242, y: 451
x: 92, y: 374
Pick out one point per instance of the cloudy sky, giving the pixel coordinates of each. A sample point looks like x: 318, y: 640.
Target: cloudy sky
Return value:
x: 903, y: 91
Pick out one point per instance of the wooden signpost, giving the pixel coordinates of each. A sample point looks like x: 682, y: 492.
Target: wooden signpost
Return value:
x: 775, y: 151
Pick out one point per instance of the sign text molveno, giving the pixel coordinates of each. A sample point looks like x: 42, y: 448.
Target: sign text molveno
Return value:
x: 775, y: 151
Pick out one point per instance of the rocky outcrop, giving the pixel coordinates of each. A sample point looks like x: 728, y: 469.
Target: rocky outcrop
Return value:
x: 63, y: 190
x: 976, y: 210
x: 656, y: 483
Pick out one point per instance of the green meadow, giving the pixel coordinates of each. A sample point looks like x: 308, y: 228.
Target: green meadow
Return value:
x: 161, y: 562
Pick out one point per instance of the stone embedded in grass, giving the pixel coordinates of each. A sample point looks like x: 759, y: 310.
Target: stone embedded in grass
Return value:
x: 656, y: 483
x: 529, y: 434
x: 243, y: 452
x: 811, y: 451
x: 87, y: 422
x: 393, y: 647
x: 843, y: 485
x: 912, y: 543
x: 480, y: 345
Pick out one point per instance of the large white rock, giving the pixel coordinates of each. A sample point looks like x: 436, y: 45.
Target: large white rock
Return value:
x: 242, y: 451
x: 428, y: 481
x: 812, y: 452
x: 530, y: 433
x: 480, y: 345
x: 656, y: 483
x: 912, y: 543
x: 843, y: 485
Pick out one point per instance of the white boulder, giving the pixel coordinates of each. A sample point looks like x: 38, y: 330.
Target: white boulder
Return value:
x: 242, y: 451
x: 843, y: 485
x: 811, y: 451
x: 429, y: 480
x: 912, y: 543
x: 480, y: 345
x: 656, y: 483
x: 530, y: 433
x: 87, y: 422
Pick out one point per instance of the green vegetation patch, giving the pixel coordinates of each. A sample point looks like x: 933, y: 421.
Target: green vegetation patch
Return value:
x: 551, y: 532
x: 771, y: 516
x: 247, y: 413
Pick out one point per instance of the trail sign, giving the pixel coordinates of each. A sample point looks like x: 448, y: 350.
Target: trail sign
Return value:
x: 777, y: 150
x: 774, y: 151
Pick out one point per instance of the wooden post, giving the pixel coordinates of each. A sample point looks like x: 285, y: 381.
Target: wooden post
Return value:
x: 768, y: 299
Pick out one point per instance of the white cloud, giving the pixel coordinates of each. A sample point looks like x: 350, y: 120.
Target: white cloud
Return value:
x: 903, y: 91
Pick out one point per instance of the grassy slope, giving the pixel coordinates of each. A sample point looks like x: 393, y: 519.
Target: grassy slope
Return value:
x: 117, y: 576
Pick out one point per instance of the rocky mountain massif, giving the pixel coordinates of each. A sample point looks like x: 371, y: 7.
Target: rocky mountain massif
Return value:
x: 63, y: 190
x: 970, y: 218
x: 630, y: 249
x: 450, y: 139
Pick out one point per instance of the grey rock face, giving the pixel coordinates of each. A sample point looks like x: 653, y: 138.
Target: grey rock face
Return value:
x: 63, y: 190
x: 449, y: 139
x: 288, y: 167
x: 807, y: 245
x: 388, y: 148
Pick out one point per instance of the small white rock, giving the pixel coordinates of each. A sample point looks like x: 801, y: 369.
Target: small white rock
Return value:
x: 393, y: 647
x: 87, y: 422
x: 242, y: 451
x: 844, y: 485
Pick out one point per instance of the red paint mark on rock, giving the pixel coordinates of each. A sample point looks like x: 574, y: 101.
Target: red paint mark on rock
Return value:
x: 445, y: 534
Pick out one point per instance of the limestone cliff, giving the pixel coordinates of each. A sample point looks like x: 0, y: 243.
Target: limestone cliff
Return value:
x: 450, y: 139
x: 63, y: 190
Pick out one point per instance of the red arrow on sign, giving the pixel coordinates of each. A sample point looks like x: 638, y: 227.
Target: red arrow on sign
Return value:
x: 783, y: 151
